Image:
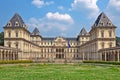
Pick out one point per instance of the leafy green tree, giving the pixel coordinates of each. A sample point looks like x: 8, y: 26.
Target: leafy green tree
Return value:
x: 117, y: 41
x: 2, y: 39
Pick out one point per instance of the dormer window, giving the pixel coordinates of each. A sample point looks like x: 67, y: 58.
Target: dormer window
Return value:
x: 109, y: 24
x: 16, y: 24
x: 101, y: 24
x: 24, y: 26
x: 9, y: 24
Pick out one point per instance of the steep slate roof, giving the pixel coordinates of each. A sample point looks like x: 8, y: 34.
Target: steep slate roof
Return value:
x: 83, y: 32
x: 103, y: 20
x: 51, y: 39
x: 35, y: 32
x: 16, y: 18
x: 71, y: 39
x: 48, y: 39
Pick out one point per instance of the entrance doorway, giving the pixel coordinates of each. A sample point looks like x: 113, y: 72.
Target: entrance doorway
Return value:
x: 60, y: 53
x: 59, y: 56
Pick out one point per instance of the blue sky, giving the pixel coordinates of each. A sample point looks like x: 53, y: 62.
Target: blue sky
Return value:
x: 60, y: 17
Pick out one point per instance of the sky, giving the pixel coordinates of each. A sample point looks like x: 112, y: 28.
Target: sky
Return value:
x: 60, y: 17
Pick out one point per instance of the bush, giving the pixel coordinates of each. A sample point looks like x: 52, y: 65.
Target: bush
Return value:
x: 15, y: 61
x: 103, y: 62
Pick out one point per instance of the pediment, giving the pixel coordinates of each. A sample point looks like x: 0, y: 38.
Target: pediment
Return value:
x: 60, y: 41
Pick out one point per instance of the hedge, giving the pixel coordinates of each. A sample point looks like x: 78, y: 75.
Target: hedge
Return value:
x: 15, y: 61
x: 103, y: 62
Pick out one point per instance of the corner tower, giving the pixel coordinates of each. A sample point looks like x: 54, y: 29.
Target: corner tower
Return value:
x: 15, y: 31
x: 35, y: 36
x: 83, y: 36
x: 103, y: 32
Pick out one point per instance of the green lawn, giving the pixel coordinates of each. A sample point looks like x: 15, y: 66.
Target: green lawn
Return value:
x: 59, y: 72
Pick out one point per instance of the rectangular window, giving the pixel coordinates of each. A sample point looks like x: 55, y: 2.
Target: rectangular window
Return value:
x: 9, y: 34
x: 9, y: 45
x: 110, y: 34
x: 102, y: 34
x: 102, y: 45
x: 110, y: 45
x: 17, y: 45
x: 16, y: 34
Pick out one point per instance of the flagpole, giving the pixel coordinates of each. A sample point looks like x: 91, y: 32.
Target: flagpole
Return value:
x: 68, y: 46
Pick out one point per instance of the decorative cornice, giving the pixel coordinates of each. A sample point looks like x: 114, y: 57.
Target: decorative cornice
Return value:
x: 17, y: 28
x: 22, y: 39
x: 98, y: 39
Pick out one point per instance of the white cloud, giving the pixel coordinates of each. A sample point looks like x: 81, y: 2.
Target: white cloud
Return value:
x: 60, y: 17
x: 114, y: 4
x: 61, y: 7
x: 88, y: 7
x: 41, y: 3
x: 113, y: 10
x: 45, y: 24
x: 52, y: 22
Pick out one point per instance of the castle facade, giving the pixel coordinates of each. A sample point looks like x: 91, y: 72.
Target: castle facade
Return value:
x: 93, y: 45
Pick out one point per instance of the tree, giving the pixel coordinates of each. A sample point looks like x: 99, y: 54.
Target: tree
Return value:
x: 2, y: 39
x: 117, y: 41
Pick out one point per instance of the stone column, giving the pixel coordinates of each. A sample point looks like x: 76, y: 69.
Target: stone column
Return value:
x: 100, y: 56
x: 118, y: 56
x: 4, y: 55
x: 13, y: 55
x: 9, y: 55
x: 105, y: 56
x: 113, y: 55
x: 88, y: 56
x: 83, y: 56
x: 0, y: 54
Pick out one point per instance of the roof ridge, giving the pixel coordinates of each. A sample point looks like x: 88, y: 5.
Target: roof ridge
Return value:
x: 102, y: 20
x: 18, y: 18
x: 83, y: 31
x: 36, y: 31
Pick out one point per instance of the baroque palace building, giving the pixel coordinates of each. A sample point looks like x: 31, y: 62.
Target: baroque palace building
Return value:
x: 98, y: 44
